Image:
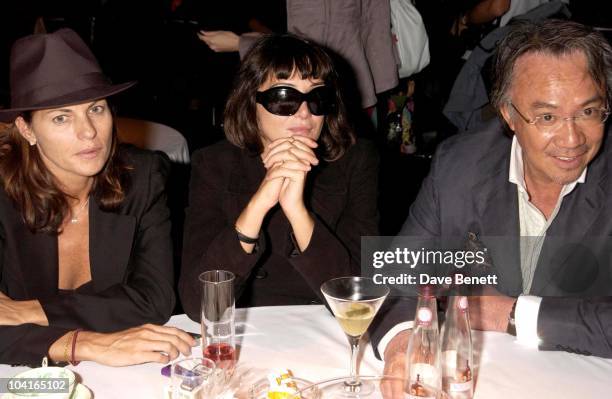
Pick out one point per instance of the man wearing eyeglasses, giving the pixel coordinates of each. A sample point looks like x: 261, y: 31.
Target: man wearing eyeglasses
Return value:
x: 548, y: 181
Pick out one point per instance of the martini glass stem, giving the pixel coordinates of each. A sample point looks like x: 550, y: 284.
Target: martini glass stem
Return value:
x: 354, y: 384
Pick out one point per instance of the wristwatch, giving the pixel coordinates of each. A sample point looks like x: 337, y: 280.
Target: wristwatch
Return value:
x: 511, y: 321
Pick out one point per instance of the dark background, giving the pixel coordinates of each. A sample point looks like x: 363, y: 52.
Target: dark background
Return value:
x: 184, y: 84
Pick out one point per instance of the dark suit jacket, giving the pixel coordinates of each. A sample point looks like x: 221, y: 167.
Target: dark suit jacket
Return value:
x: 467, y: 190
x: 130, y: 258
x: 341, y: 196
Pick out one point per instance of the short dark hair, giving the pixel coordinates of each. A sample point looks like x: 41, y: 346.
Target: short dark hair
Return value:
x: 34, y: 190
x: 282, y: 56
x: 554, y: 37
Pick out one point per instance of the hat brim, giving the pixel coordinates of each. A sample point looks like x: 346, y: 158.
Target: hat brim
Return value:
x: 90, y: 94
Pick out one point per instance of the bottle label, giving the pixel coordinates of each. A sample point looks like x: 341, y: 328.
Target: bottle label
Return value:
x: 424, y: 381
x: 449, y: 361
x: 460, y: 386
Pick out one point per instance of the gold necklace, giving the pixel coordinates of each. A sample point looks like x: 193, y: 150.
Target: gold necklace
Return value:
x: 75, y: 216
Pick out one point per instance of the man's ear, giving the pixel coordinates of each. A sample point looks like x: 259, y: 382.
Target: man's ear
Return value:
x: 507, y: 115
x: 25, y: 130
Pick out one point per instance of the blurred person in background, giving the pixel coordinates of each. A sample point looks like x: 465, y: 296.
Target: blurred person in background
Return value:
x: 359, y: 31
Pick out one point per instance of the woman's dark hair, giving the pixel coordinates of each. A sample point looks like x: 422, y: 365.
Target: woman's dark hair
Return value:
x: 551, y: 37
x: 281, y: 57
x: 35, y: 191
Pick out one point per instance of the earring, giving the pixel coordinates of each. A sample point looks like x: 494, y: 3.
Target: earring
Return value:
x: 32, y: 143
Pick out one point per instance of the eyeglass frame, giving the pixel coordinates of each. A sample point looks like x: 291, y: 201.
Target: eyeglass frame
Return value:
x: 535, y: 120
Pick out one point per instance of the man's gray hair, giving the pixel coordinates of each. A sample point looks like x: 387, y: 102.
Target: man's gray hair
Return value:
x: 554, y: 37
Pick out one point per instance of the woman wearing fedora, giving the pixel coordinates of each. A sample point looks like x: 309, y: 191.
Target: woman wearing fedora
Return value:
x: 85, y: 249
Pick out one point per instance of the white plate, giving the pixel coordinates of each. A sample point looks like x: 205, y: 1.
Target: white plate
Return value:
x: 80, y: 392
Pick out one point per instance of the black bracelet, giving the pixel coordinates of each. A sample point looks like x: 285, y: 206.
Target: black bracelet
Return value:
x: 245, y: 239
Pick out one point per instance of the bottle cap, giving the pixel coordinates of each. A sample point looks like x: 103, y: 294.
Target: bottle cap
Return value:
x: 424, y: 315
x: 462, y: 303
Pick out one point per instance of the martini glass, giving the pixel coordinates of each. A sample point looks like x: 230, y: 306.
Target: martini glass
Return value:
x: 354, y: 302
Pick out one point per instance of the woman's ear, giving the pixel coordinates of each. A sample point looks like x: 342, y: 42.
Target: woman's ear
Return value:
x: 25, y: 130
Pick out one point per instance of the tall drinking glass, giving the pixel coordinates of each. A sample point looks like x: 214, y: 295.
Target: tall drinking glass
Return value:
x: 218, y: 307
x: 354, y: 302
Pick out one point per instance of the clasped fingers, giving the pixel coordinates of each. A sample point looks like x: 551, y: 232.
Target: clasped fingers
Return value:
x: 290, y: 149
x: 292, y: 170
x: 282, y: 156
x: 297, y: 140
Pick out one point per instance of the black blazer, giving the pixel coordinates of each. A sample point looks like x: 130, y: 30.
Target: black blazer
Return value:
x: 467, y: 190
x: 341, y: 196
x: 131, y: 266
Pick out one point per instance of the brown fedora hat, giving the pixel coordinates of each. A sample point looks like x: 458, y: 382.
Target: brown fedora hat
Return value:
x: 53, y: 70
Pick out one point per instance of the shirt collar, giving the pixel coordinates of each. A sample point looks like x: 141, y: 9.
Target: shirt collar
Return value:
x: 516, y: 174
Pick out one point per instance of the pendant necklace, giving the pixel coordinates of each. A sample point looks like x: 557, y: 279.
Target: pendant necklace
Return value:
x: 75, y: 216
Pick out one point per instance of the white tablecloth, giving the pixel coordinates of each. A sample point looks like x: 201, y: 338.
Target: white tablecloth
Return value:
x: 307, y: 340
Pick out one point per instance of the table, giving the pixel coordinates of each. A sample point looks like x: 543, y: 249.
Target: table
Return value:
x: 307, y: 340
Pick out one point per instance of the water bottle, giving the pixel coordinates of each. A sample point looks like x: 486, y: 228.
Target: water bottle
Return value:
x: 423, y: 371
x: 457, y: 366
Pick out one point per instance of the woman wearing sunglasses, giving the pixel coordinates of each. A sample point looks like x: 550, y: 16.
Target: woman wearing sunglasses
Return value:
x: 284, y: 201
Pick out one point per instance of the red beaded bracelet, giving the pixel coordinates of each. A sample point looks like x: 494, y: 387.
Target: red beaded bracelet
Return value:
x: 74, y: 339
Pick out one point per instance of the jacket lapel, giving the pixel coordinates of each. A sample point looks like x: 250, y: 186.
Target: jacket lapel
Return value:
x: 496, y: 209
x: 578, y: 213
x: 580, y: 209
x: 110, y: 244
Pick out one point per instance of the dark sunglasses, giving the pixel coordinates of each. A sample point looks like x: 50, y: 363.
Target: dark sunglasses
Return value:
x: 286, y: 101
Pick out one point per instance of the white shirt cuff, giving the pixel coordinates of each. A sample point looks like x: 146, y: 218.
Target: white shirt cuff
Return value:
x: 398, y: 328
x: 526, y: 318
